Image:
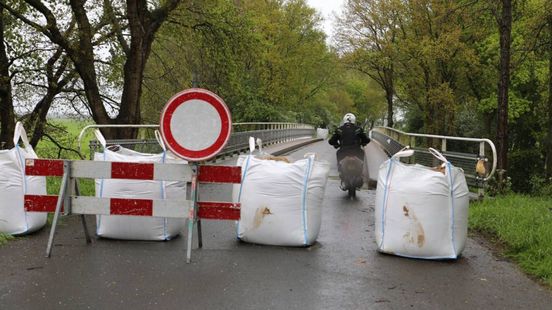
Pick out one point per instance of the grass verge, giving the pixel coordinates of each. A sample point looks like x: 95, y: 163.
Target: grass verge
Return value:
x: 4, y: 238
x: 523, y: 225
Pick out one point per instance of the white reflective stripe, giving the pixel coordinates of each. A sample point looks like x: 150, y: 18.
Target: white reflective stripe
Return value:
x: 102, y: 170
x: 91, y: 169
x: 172, y: 172
x: 90, y: 205
x: 172, y: 208
x: 101, y: 206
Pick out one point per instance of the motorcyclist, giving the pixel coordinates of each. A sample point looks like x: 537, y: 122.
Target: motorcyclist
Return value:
x: 349, y: 138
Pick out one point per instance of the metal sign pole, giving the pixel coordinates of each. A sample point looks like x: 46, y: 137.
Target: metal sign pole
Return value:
x: 193, y: 212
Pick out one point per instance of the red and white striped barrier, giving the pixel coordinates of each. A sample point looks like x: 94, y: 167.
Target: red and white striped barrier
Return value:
x: 70, y: 202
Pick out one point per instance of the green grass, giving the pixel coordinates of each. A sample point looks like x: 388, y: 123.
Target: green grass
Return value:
x: 4, y: 238
x: 523, y: 225
x: 66, y: 133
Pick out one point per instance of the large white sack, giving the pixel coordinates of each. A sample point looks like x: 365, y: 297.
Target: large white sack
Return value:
x: 374, y: 156
x: 322, y: 133
x: 14, y: 184
x: 138, y: 227
x: 281, y: 203
x: 420, y: 212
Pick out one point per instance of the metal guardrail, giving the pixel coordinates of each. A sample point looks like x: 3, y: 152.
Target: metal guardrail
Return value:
x: 269, y: 133
x: 460, y: 151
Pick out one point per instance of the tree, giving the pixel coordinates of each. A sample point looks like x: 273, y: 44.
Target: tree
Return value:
x: 505, y: 32
x: 135, y: 19
x: 368, y: 32
x: 58, y: 76
x: 267, y: 59
x: 433, y: 63
x: 7, y: 114
x: 35, y: 71
x: 549, y: 106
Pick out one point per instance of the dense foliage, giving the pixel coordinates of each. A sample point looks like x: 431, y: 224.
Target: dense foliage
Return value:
x: 430, y: 66
x: 453, y: 67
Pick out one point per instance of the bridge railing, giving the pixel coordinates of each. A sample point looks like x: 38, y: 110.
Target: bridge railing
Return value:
x: 466, y: 153
x: 269, y: 133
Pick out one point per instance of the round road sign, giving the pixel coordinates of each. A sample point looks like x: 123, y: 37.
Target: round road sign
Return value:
x: 195, y: 124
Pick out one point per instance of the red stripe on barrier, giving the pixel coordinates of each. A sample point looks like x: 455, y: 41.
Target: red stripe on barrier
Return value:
x: 134, y: 171
x: 219, y: 210
x: 219, y: 174
x: 122, y: 206
x: 44, y: 167
x: 41, y: 203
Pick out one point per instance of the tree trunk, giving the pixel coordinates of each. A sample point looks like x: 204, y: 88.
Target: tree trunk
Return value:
x: 389, y: 92
x: 142, y: 35
x: 7, y: 114
x: 143, y: 25
x: 505, y: 30
x: 549, y: 136
x: 36, y: 121
x: 83, y: 59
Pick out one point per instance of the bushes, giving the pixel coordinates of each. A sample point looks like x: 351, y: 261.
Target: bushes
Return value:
x: 523, y: 165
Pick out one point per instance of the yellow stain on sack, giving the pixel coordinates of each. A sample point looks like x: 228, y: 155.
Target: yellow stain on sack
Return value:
x: 260, y: 214
x: 416, y: 235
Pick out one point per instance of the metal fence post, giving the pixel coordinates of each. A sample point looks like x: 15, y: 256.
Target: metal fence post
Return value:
x: 481, y: 190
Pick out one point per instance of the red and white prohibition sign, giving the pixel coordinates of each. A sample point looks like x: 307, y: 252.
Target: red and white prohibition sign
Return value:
x: 195, y: 124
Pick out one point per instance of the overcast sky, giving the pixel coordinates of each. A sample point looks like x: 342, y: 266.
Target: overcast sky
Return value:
x: 327, y: 9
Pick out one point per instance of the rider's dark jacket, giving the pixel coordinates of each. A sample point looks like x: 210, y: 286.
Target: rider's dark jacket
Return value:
x: 349, y: 138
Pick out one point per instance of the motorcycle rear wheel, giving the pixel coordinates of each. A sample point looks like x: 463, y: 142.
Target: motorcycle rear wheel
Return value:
x: 352, y: 192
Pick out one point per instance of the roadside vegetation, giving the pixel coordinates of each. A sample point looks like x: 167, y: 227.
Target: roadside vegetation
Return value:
x: 4, y: 238
x: 522, y: 226
x: 67, y: 131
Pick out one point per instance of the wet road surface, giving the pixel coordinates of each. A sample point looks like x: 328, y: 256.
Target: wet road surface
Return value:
x: 341, y: 271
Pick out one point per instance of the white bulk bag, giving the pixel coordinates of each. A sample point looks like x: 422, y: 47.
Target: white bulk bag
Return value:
x: 138, y: 227
x: 14, y: 184
x: 322, y: 133
x: 421, y: 212
x: 281, y: 203
x: 374, y: 156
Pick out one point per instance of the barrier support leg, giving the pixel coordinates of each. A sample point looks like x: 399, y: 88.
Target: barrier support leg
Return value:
x: 83, y: 219
x: 199, y: 238
x: 59, y: 203
x: 193, y: 213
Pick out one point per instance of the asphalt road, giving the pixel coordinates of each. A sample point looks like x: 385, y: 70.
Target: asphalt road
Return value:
x: 341, y: 271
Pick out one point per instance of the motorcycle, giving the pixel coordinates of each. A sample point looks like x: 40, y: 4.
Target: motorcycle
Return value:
x: 351, y: 175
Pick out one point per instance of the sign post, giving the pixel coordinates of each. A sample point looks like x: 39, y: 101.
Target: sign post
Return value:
x: 195, y: 125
